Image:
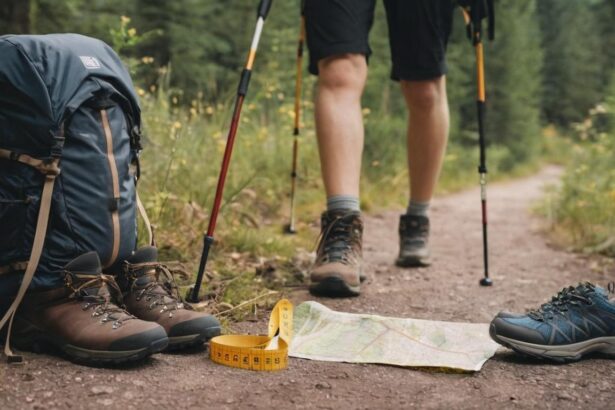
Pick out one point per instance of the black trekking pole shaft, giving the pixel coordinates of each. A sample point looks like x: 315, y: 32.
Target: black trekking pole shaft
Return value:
x: 242, y: 90
x: 482, y: 167
x: 297, y: 123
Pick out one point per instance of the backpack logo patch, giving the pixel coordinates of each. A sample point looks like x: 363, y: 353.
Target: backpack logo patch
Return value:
x: 89, y: 62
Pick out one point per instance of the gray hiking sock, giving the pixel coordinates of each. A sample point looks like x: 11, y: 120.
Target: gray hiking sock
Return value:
x: 349, y: 202
x: 417, y: 208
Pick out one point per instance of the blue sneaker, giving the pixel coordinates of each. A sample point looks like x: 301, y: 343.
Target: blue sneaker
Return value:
x: 577, y: 321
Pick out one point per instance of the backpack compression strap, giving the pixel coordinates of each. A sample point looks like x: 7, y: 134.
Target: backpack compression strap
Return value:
x: 51, y: 172
x: 148, y: 226
x: 46, y: 167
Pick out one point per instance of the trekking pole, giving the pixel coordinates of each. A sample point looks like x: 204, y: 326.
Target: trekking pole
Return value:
x: 473, y: 18
x: 290, y: 228
x: 242, y: 90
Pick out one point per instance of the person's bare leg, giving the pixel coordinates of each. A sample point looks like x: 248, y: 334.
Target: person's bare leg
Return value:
x: 338, y: 268
x: 428, y: 128
x: 427, y: 136
x: 339, y: 123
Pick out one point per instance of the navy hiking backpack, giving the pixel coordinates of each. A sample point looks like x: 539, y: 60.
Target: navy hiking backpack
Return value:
x: 69, y: 146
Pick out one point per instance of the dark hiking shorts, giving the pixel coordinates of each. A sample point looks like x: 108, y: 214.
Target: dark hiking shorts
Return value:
x: 418, y: 33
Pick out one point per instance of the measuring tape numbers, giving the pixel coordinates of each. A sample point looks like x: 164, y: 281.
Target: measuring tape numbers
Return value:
x: 260, y: 353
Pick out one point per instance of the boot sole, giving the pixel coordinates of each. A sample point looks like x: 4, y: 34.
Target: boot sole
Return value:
x: 38, y: 341
x: 334, y: 287
x: 558, y: 353
x: 413, y: 262
x: 188, y: 341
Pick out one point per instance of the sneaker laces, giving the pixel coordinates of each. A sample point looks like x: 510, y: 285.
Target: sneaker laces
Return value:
x: 570, y: 296
x: 415, y: 233
x: 161, y: 290
x: 101, y: 301
x: 336, y: 241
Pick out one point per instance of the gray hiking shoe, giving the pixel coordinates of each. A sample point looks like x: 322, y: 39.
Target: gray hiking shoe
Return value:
x: 339, y: 260
x: 413, y: 241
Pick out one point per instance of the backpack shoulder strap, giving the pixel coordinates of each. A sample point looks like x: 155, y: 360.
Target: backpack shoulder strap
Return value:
x: 35, y: 256
x: 50, y: 168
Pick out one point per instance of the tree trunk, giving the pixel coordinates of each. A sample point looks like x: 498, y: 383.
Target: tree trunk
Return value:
x: 15, y: 17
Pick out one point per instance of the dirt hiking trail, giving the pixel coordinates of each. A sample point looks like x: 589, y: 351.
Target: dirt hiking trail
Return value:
x: 525, y: 269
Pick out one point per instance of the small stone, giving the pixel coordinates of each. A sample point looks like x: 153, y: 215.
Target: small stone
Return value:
x: 565, y: 396
x: 323, y: 386
x: 230, y: 401
x: 29, y: 399
x: 105, y: 402
x: 98, y: 390
x: 27, y: 377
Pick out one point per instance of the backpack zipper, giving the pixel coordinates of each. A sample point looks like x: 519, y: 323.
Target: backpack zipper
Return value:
x: 115, y: 211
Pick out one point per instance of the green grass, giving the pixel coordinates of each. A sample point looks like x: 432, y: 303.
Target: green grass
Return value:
x: 181, y: 160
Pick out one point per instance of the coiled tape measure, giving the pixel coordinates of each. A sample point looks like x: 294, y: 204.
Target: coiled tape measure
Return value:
x: 261, y: 353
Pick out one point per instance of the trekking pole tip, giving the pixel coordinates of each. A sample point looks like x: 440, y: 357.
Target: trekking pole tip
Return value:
x: 486, y: 282
x: 190, y: 297
x: 290, y: 230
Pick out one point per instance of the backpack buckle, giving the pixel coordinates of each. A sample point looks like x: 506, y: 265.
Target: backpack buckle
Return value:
x: 58, y: 137
x: 135, y: 138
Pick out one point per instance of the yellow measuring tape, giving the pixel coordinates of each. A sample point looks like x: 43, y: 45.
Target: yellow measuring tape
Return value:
x: 262, y: 353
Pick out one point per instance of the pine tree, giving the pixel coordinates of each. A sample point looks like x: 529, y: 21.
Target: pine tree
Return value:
x: 573, y: 74
x: 514, y: 82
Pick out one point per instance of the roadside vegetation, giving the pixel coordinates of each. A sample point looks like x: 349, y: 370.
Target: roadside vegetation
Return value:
x: 583, y: 211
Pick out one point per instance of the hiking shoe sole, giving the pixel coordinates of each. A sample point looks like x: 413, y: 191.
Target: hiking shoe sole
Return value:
x: 93, y: 357
x: 334, y: 287
x: 39, y: 341
x: 413, y: 262
x: 185, y: 342
x: 558, y: 353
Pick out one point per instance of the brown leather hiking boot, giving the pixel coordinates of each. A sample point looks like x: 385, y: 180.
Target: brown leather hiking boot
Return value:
x: 338, y: 270
x: 150, y: 294
x: 82, y: 320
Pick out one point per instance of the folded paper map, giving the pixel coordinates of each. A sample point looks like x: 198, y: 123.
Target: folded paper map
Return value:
x: 326, y: 335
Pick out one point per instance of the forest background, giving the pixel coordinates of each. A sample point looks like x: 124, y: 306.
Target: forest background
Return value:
x: 550, y: 92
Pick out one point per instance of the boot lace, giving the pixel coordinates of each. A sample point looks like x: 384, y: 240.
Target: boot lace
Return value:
x: 567, y: 297
x: 100, y: 303
x: 337, y: 240
x: 414, y: 232
x: 161, y: 290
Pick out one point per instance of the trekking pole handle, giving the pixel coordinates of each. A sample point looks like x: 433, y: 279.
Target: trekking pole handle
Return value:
x: 263, y: 8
